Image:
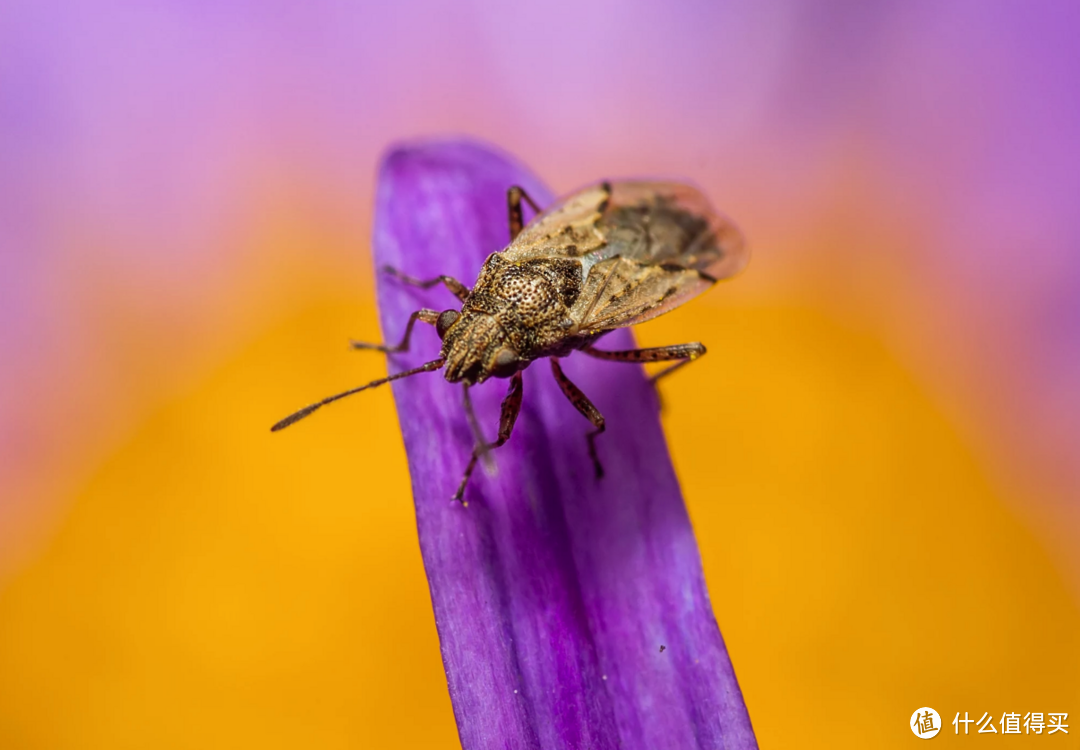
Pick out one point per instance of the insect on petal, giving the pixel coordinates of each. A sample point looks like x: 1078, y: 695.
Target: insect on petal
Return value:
x: 553, y: 591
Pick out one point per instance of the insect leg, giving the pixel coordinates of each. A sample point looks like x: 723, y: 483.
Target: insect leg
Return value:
x: 582, y: 403
x: 513, y: 201
x: 511, y: 407
x: 428, y: 316
x: 460, y: 290
x: 686, y: 352
x: 474, y: 425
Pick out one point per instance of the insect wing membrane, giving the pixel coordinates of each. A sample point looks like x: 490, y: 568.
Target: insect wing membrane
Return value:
x: 671, y: 223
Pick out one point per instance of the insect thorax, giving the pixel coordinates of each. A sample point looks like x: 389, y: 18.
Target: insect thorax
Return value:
x: 522, y: 306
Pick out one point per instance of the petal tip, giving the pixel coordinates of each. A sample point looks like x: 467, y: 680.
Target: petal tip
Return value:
x: 457, y: 151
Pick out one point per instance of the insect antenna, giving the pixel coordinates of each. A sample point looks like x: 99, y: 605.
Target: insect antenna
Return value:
x: 434, y: 364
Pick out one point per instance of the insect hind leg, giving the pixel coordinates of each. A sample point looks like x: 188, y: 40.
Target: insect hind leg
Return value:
x: 685, y: 352
x: 582, y: 403
x: 426, y: 315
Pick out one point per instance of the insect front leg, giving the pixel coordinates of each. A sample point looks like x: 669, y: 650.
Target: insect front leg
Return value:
x: 511, y: 407
x: 460, y: 290
x: 428, y: 316
x: 685, y: 352
x: 582, y: 403
x: 474, y: 425
x: 513, y: 201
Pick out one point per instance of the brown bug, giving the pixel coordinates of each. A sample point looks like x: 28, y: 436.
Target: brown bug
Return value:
x: 609, y: 256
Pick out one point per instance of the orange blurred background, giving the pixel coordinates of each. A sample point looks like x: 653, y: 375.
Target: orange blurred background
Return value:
x: 878, y: 453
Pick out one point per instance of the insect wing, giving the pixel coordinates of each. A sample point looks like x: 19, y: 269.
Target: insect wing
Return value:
x: 567, y: 229
x: 671, y: 223
x: 664, y: 245
x: 650, y: 222
x: 620, y: 292
x: 645, y: 248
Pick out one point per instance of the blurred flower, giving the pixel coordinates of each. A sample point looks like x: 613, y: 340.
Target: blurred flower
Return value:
x: 571, y: 612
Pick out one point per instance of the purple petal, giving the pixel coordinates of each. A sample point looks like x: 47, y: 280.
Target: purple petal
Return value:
x: 553, y: 591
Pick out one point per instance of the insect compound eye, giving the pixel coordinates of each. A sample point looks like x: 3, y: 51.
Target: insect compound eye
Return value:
x: 446, y: 319
x: 505, y: 363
